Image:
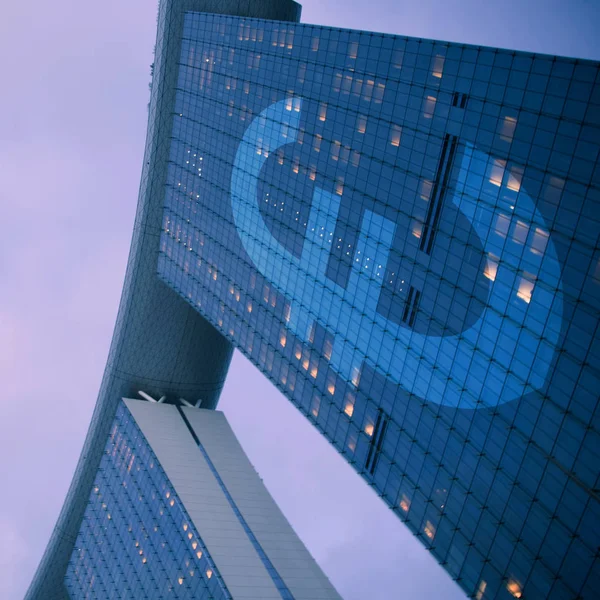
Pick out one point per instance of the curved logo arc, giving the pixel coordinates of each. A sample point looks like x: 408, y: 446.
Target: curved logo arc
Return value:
x: 505, y: 354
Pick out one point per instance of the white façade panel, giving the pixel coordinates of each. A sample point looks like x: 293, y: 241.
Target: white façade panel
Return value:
x: 231, y: 550
x: 298, y: 569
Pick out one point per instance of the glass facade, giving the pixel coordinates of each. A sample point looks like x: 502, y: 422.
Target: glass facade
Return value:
x: 402, y: 235
x: 136, y: 539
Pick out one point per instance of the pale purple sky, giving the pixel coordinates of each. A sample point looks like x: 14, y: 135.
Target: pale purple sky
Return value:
x: 73, y: 92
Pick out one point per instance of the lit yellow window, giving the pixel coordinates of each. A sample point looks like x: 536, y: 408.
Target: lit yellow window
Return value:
x: 520, y: 232
x: 481, y: 590
x: 316, y: 405
x: 323, y: 111
x: 429, y: 106
x: 379, y: 93
x: 539, y: 242
x: 199, y: 554
x: 502, y: 225
x: 318, y: 140
x: 349, y: 404
x: 352, y: 442
x: 437, y: 66
x: 514, y: 587
x: 335, y: 150
x: 526, y: 287
x: 497, y: 172
x: 355, y: 379
x: 209, y: 573
x: 395, y: 135
x: 347, y: 84
x: 361, y: 124
x: 339, y: 186
x: 417, y: 229
x: 514, y: 178
x: 426, y: 187
x: 282, y: 339
x: 404, y: 503
x: 327, y: 349
x: 429, y: 530
x: 369, y: 428
x: 491, y: 267
x: 507, y: 128
x: 331, y: 384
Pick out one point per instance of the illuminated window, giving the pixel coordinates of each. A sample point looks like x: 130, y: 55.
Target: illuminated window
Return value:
x: 315, y: 406
x: 520, y: 232
x: 429, y: 530
x: 379, y: 93
x: 514, y: 587
x: 349, y: 404
x: 318, y: 140
x: 417, y: 229
x: 361, y: 124
x: 352, y: 442
x: 491, y: 267
x: 526, y: 285
x: 199, y: 554
x: 514, y: 179
x: 369, y: 428
x: 497, y: 172
x: 337, y: 83
x: 323, y: 111
x: 507, y: 128
x: 429, y: 106
x: 437, y: 66
x: 327, y: 348
x: 355, y: 379
x: 426, y: 187
x: 331, y: 384
x: 539, y: 242
x: 335, y: 150
x: 282, y: 339
x: 395, y: 135
x: 481, y: 590
x: 404, y: 503
x: 209, y: 573
x: 502, y: 225
x: 339, y: 186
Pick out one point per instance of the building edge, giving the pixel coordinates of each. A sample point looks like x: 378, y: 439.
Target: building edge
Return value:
x: 182, y: 356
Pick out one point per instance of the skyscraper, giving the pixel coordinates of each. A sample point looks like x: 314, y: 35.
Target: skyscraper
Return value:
x: 402, y: 235
x: 177, y: 510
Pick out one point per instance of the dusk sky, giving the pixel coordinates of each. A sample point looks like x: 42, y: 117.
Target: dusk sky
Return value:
x: 73, y: 118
